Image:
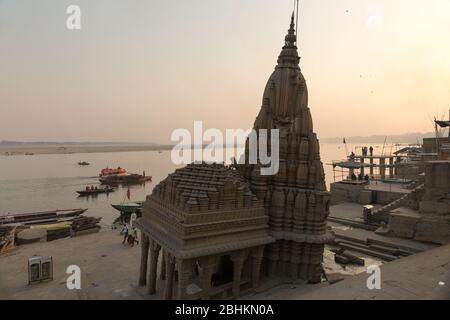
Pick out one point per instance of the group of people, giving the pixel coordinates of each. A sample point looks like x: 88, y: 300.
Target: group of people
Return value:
x: 129, y: 235
x: 366, y: 151
x: 91, y: 188
x: 360, y: 177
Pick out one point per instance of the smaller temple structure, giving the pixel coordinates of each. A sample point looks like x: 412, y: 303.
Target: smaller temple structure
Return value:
x: 208, y: 228
x: 431, y: 220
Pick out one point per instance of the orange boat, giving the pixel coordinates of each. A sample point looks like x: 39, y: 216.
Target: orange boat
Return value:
x: 107, y: 171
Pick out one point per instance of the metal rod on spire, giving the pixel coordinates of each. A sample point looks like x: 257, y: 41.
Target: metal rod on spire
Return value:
x: 296, y: 22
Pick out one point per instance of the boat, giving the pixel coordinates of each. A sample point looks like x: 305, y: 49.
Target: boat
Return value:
x: 95, y: 191
x: 107, y: 172
x: 40, y: 217
x: 128, y: 207
x: 126, y: 178
x: 83, y: 163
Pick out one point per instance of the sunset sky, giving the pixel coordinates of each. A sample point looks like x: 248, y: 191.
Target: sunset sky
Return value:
x: 139, y: 69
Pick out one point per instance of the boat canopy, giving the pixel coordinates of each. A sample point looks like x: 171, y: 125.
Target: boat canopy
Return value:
x: 352, y: 165
x: 408, y: 150
x: 443, y: 124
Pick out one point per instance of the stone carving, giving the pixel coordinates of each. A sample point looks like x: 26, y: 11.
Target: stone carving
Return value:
x: 220, y: 226
x: 296, y: 198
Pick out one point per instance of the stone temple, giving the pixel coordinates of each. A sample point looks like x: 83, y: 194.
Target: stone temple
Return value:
x: 212, y: 231
x: 295, y: 199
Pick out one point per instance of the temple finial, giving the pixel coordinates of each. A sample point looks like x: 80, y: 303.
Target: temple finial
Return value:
x: 292, y: 20
x: 291, y: 37
x: 289, y: 55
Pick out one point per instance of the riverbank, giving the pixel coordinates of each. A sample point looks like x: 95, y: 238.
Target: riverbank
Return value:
x: 59, y: 148
x: 110, y: 270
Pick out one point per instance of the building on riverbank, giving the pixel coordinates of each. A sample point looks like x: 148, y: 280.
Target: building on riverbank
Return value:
x: 219, y: 228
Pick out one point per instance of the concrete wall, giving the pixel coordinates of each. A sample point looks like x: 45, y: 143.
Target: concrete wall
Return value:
x: 386, y: 197
x: 341, y: 192
x: 429, y: 144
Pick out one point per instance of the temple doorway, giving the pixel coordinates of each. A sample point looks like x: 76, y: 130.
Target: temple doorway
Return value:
x: 224, y: 272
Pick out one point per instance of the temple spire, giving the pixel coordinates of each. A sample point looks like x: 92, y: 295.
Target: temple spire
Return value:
x: 289, y: 55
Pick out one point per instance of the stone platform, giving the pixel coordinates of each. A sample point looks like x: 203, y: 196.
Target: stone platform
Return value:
x: 422, y: 276
x: 110, y: 269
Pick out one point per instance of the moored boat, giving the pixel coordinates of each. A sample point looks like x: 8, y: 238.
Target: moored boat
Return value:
x: 107, y: 172
x: 125, y: 179
x: 40, y: 217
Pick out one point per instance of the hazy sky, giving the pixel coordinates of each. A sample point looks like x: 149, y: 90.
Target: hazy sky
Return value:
x: 139, y: 69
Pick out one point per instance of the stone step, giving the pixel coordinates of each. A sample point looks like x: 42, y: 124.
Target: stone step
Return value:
x: 369, y: 252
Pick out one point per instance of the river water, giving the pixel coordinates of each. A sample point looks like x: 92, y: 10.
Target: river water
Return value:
x: 49, y: 182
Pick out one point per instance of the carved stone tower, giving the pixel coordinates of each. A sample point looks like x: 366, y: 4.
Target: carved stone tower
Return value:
x: 296, y: 199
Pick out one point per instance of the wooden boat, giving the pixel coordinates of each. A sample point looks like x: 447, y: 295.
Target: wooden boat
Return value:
x: 40, y: 217
x: 107, y: 172
x: 95, y: 191
x: 124, y: 179
x: 128, y: 207
x: 83, y: 163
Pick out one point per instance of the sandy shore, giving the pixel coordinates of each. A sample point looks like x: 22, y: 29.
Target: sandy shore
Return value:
x: 36, y: 149
x: 109, y: 270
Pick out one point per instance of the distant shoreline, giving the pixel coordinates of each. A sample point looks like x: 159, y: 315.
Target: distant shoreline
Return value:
x: 29, y: 149
x: 57, y: 148
x: 13, y: 148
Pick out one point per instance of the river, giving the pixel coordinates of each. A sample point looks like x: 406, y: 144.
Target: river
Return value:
x: 49, y: 182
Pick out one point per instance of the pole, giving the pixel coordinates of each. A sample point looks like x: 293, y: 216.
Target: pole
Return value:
x: 384, y: 144
x: 346, y: 150
x: 437, y: 136
x: 296, y: 23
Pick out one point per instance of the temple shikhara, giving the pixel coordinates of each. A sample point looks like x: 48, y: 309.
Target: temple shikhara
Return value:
x: 214, y: 231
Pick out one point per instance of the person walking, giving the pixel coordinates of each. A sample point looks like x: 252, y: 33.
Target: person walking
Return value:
x: 124, y: 232
x: 133, y: 235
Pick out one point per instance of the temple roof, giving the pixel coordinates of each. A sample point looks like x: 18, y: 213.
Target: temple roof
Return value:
x: 199, y: 184
x: 204, y: 209
x: 285, y: 98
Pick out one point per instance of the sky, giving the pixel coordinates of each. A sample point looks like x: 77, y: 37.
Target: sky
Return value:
x: 137, y: 70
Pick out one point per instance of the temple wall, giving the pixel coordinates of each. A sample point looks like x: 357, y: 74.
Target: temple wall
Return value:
x: 293, y: 259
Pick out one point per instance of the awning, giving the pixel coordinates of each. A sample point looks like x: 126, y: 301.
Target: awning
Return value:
x: 442, y: 124
x: 352, y: 165
x: 408, y: 150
